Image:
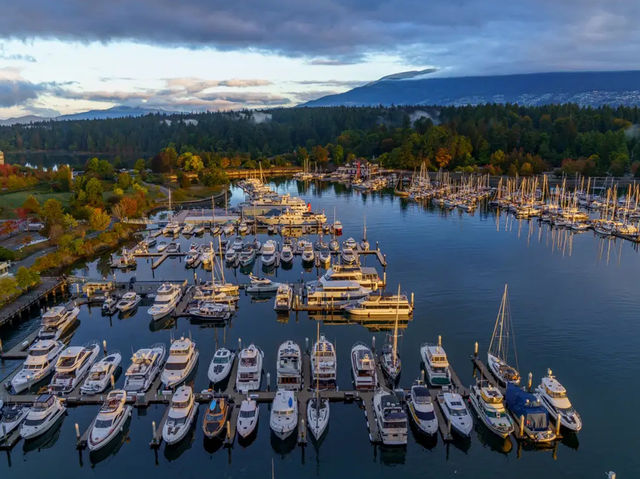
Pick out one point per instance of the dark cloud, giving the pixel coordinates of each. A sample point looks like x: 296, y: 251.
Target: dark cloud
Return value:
x: 17, y: 91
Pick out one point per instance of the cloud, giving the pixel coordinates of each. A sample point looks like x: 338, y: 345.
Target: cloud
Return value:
x: 304, y: 96
x: 331, y: 62
x: 17, y: 92
x: 334, y: 83
x: 4, y: 55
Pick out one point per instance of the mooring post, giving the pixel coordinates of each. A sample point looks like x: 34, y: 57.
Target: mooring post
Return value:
x: 1, y: 350
x: 77, y: 431
x: 239, y: 345
x: 475, y: 349
x: 530, y: 381
x: 153, y: 430
x: 306, y: 343
x: 113, y: 381
x: 104, y: 346
x: 373, y: 343
x: 558, y: 423
x: 228, y: 431
x: 439, y: 341
x: 268, y: 381
x: 522, y: 426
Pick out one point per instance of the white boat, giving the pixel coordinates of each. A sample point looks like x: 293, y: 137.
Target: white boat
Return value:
x: 322, y: 292
x: 289, y: 366
x: 334, y: 245
x: 318, y: 412
x: 100, y: 374
x: 249, y: 373
x: 421, y: 408
x: 188, y: 229
x: 436, y: 364
x: 128, y: 302
x: 488, y: 403
x: 367, y: 277
x: 194, y: 258
x: 247, y: 417
x: 238, y: 244
x: 269, y: 253
x: 390, y: 417
x: 501, y: 339
x: 109, y: 304
x: 261, y: 285
x: 42, y: 416
x: 167, y: 298
x: 348, y: 256
x: 40, y: 361
x: 72, y: 366
x: 308, y: 255
x: 324, y: 256
x: 110, y: 420
x: 243, y: 228
x: 182, y: 411
x: 247, y: 255
x: 228, y: 229
x: 171, y: 229
x: 350, y: 243
x: 145, y: 365
x: 553, y: 397
x: 220, y: 365
x: 212, y: 309
x: 183, y: 356
x: 57, y: 320
x: 390, y: 359
x: 284, y: 414
x: 323, y: 363
x: 286, y: 255
x: 162, y: 245
x: 231, y: 255
x: 199, y: 230
x: 283, y: 299
x: 11, y: 417
x: 380, y: 306
x: 456, y: 412
x: 173, y: 247
x: 363, y: 367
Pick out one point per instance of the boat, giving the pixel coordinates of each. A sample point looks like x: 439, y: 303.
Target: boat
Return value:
x: 215, y: 418
x: 231, y: 255
x: 162, y: 246
x: 501, y: 339
x: 421, y: 408
x: 212, y: 309
x: 308, y: 255
x: 526, y: 407
x: 101, y: 374
x: 318, y: 412
x: 11, y: 417
x: 183, y: 357
x: 40, y: 361
x: 455, y: 412
x: 390, y: 359
x: 363, y: 367
x: 171, y: 229
x: 167, y: 298
x: 323, y: 363
x: 220, y: 365
x: 173, y: 247
x: 488, y: 403
x: 390, y: 417
x: 145, y: 366
x: 284, y: 414
x: 337, y: 227
x: 247, y: 256
x: 367, y: 277
x: 125, y: 261
x: 72, y: 366
x: 243, y: 228
x: 348, y: 256
x: 199, y: 230
x: 269, y: 253
x: 334, y: 245
x: 553, y: 397
x: 109, y: 305
x: 42, y: 416
x: 324, y: 256
x: 128, y: 302
x: 228, y: 229
x: 110, y: 420
x: 148, y: 242
x: 380, y: 306
x: 262, y: 285
x: 284, y: 298
x: 238, y: 244
x: 249, y: 373
x: 286, y: 255
x: 436, y: 364
x: 57, y: 320
x: 188, y: 229
x: 324, y: 292
x: 247, y: 417
x: 194, y: 258
x: 364, y: 244
x: 289, y: 366
x: 182, y: 411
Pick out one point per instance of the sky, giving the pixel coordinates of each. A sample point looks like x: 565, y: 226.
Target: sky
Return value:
x: 67, y: 56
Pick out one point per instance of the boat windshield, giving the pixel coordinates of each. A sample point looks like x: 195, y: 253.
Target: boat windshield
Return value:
x: 247, y: 414
x: 35, y: 422
x: 39, y: 352
x: 457, y: 411
x: 425, y: 415
x: 395, y: 424
x: 33, y: 366
x: 176, y: 366
x: 103, y: 423
x: 224, y: 360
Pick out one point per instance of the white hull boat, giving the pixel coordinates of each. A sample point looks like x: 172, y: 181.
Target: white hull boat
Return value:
x: 40, y: 362
x: 182, y: 412
x: 221, y: 365
x: 110, y: 420
x: 42, y: 416
x: 183, y: 357
x: 284, y: 414
x: 100, y: 374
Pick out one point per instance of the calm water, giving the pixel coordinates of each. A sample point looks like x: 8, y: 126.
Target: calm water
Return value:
x: 574, y: 303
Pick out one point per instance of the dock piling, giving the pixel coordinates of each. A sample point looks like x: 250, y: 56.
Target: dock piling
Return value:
x: 521, y: 435
x: 439, y: 341
x: 268, y: 381
x: 1, y: 350
x: 104, y: 346
x: 77, y: 431
x: 558, y: 423
x: 475, y: 349
x: 373, y: 343
x: 530, y: 381
x: 153, y: 429
x: 306, y: 344
x: 239, y: 345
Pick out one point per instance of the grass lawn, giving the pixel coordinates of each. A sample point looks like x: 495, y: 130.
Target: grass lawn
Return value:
x: 195, y: 192
x: 10, y: 201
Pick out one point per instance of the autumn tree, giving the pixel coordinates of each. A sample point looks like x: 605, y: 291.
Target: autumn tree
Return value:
x: 99, y: 219
x: 31, y: 205
x: 443, y: 157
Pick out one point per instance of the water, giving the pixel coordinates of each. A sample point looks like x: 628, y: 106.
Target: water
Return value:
x: 574, y: 306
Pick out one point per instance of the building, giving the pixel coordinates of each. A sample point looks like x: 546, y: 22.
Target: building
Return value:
x: 1, y: 158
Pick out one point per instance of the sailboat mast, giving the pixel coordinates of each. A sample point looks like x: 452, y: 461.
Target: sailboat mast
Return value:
x: 395, y: 330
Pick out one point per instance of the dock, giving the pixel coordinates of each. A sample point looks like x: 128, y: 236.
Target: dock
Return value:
x: 20, y: 350
x: 48, y: 287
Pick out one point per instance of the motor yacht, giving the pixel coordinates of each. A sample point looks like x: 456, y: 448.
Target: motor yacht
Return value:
x: 488, y: 403
x: 289, y: 366
x: 228, y: 229
x: 183, y: 356
x: 199, y: 230
x: 350, y: 243
x: 348, y: 256
x: 215, y: 418
x: 238, y: 244
x: 308, y: 255
x: 109, y: 305
x: 247, y: 417
x: 284, y: 414
x: 455, y: 412
x: 323, y: 364
x: 182, y: 411
x: 286, y: 255
x: 188, y: 229
x: 367, y: 277
x: 380, y: 306
x: 337, y: 227
x: 167, y: 298
x: 162, y: 246
x: 231, y: 255
x: 363, y: 367
x: 100, y: 374
x: 171, y: 229
x: 536, y: 425
x: 110, y: 420
x: 269, y: 253
x: 42, y: 416
x: 436, y: 364
x: 128, y: 302
x: 421, y: 408
x: 11, y: 417
x: 173, y: 247
x: 262, y: 285
x: 390, y: 417
x: 213, y: 309
x: 40, y: 361
x: 72, y: 366
x: 221, y: 365
x: 334, y: 245
x: 247, y: 256
x: 324, y: 257
x: 283, y: 299
x: 323, y: 292
x: 145, y: 365
x: 56, y: 321
x: 249, y: 373
x: 194, y: 258
x: 318, y: 412
x: 553, y: 397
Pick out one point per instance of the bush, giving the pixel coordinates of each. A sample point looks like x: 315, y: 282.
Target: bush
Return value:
x: 7, y: 254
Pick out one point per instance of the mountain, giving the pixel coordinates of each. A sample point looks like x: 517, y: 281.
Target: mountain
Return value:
x: 114, y: 112
x: 411, y: 88
x: 22, y: 120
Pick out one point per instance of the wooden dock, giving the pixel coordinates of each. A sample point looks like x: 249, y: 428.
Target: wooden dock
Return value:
x: 20, y: 350
x: 48, y: 287
x: 485, y: 374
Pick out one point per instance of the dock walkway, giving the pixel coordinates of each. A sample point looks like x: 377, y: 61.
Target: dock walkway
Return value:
x: 23, y: 304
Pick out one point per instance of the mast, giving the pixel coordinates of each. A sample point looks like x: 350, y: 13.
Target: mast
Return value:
x: 395, y: 331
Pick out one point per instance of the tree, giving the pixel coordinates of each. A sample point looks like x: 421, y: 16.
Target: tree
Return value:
x: 8, y: 288
x: 52, y: 213
x: 124, y: 180
x: 99, y: 219
x: 27, y: 278
x: 443, y: 157
x: 31, y: 205
x: 140, y: 165
x: 193, y: 163
x: 320, y: 154
x: 93, y: 189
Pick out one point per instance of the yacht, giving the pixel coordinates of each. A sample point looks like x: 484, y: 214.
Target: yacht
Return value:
x: 41, y: 360
x: 167, y: 299
x: 57, y: 320
x: 436, y: 364
x: 109, y: 305
x: 194, y: 258
x: 71, y: 367
x: 171, y: 229
x: 323, y: 292
x: 182, y: 411
x: 11, y: 417
x: 215, y: 418
x: 421, y: 408
x: 249, y: 373
x: 261, y: 285
x: 238, y: 244
x: 553, y: 397
x: 243, y: 228
x: 350, y: 244
x: 43, y: 415
x: 363, y: 367
x: 284, y: 414
x: 456, y: 412
x: 162, y: 245
x: 348, y: 256
x: 183, y: 356
x: 145, y: 366
x: 110, y: 420
x: 247, y: 255
x: 221, y: 365
x: 367, y: 277
x: 323, y: 363
x: 380, y: 306
x: 318, y: 415
x: 308, y: 255
x: 148, y: 242
x: 173, y: 247
x: 337, y: 227
x: 324, y: 257
x: 101, y: 373
x: 284, y: 298
x: 334, y: 245
x: 231, y: 255
x: 391, y: 418
x: 286, y: 255
x: 199, y: 230
x: 269, y: 253
x: 188, y: 230
x: 390, y: 358
x: 289, y: 366
x: 536, y: 425
x: 247, y: 417
x: 501, y: 339
x: 212, y: 309
x: 128, y: 302
x: 488, y: 402
x: 228, y: 229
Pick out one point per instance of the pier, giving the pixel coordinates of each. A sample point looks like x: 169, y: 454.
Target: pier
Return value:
x: 48, y: 287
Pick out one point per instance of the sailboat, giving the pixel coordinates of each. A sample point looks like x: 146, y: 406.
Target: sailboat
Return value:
x: 318, y: 408
x: 498, y: 354
x: 390, y: 360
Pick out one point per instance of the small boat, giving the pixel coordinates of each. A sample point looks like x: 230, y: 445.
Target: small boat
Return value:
x: 110, y: 420
x: 182, y: 411
x: 528, y: 408
x: 347, y: 256
x: 57, y: 320
x: 249, y: 373
x: 553, y: 397
x: 167, y: 298
x: 488, y: 403
x: 145, y: 366
x: 40, y: 361
x: 128, y: 302
x: 262, y: 285
x: 42, y: 416
x: 173, y: 247
x: 72, y: 366
x: 215, y: 418
x: 109, y: 305
x: 308, y: 255
x: 243, y: 228
x: 286, y: 255
x: 228, y: 229
x: 220, y: 365
x: 247, y: 417
x: 363, y: 367
x: 199, y: 230
x: 421, y: 408
x: 390, y: 417
x: 337, y: 227
x: 231, y: 255
x: 498, y: 354
x: 212, y: 309
x: 289, y: 366
x: 247, y: 256
x: 284, y: 414
x: 162, y: 246
x: 334, y: 245
x: 171, y: 229
x: 269, y: 253
x: 148, y: 242
x: 455, y: 412
x: 436, y: 364
x: 11, y: 417
x: 318, y: 415
x: 283, y: 299
x: 238, y: 244
x: 101, y: 373
x: 380, y: 306
x: 324, y: 256
x: 323, y: 363
x: 350, y: 244
x: 193, y: 259
x: 183, y: 356
x: 188, y: 229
